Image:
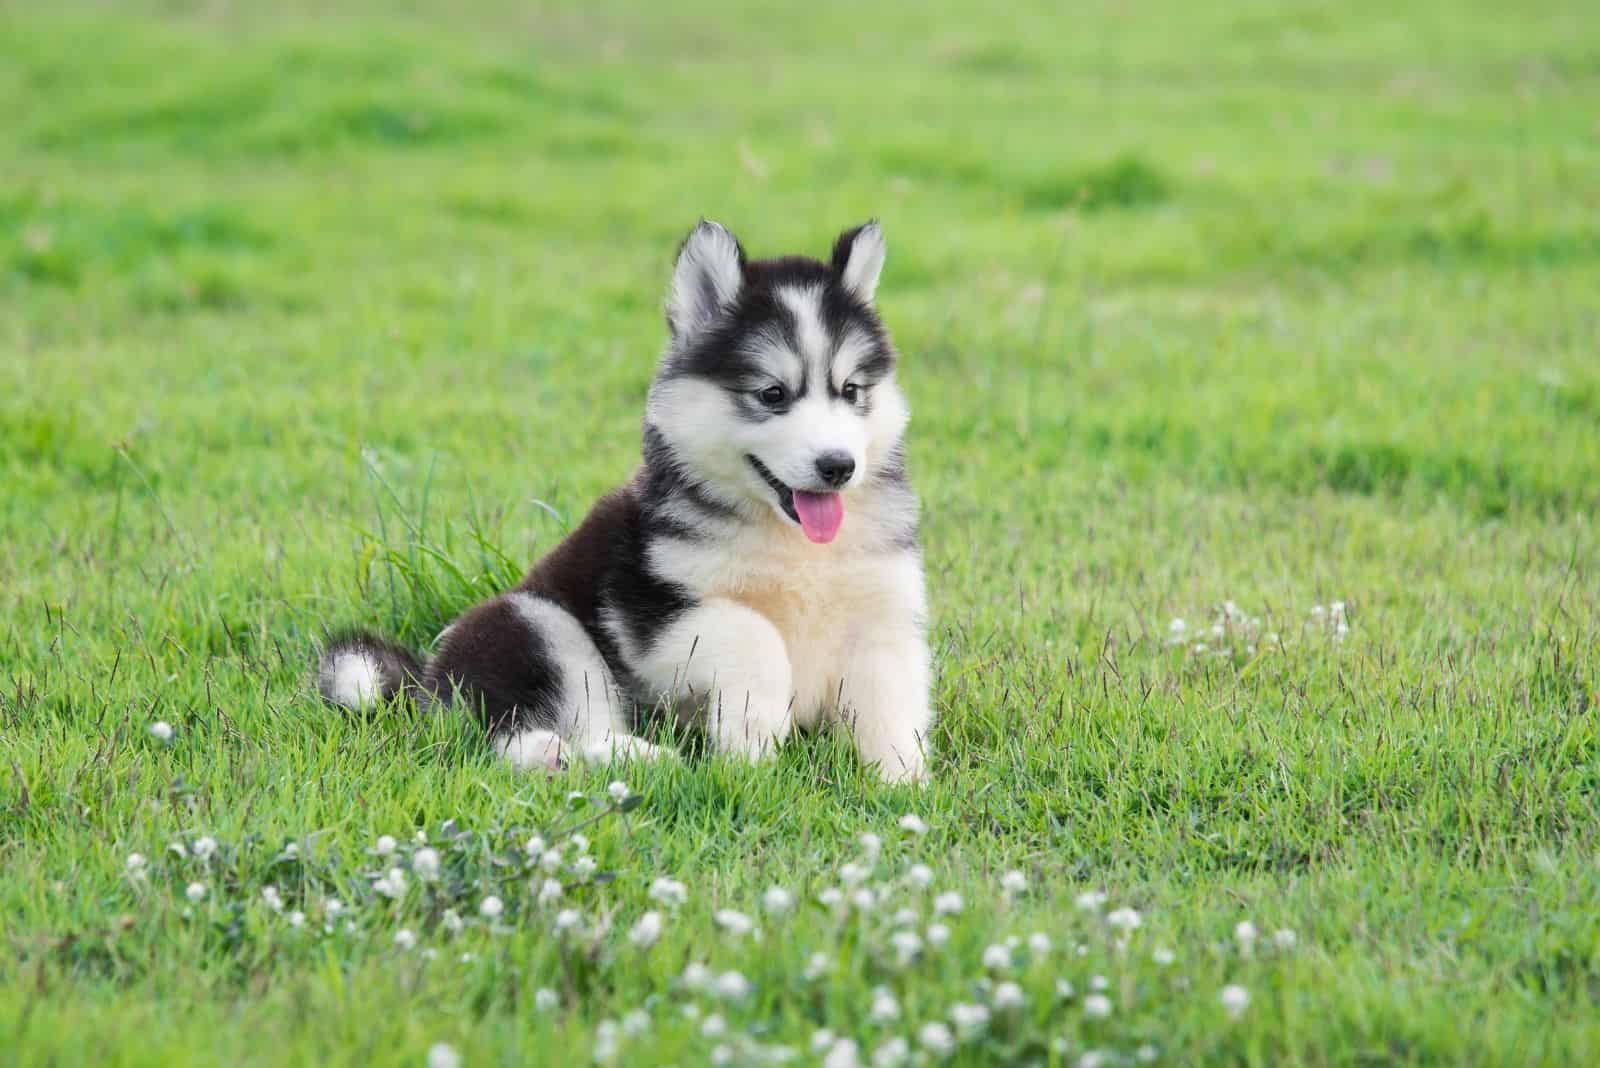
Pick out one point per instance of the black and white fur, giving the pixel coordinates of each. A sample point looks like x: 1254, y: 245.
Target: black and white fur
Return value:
x: 693, y: 585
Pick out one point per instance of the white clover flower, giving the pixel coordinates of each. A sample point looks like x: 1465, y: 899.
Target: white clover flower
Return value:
x: 1146, y: 1053
x: 136, y: 864
x: 297, y: 918
x: 1163, y: 956
x: 420, y: 838
x: 919, y: 875
x: 1097, y: 1006
x: 1006, y: 997
x: 584, y: 866
x: 777, y: 900
x: 1318, y: 610
x: 1039, y: 944
x: 714, y: 1026
x: 696, y: 975
x: 862, y: 899
x: 535, y: 847
x: 913, y: 823
x: 905, y: 917
x: 1245, y: 932
x: 734, y: 922
x: 1090, y: 900
x: 332, y: 907
x: 721, y: 1054
x: 1099, y: 982
x: 731, y: 986
x: 1235, y: 999
x: 205, y: 847
x: 816, y: 965
x: 579, y: 842
x: 668, y: 892
x: 969, y: 1019
x: 907, y: 944
x: 551, y: 861
x: 1176, y: 628
x: 884, y: 1007
x: 997, y: 958
x: 636, y: 1022
x: 549, y: 891
x: 405, y: 938
x: 938, y: 934
x: 545, y: 999
x: 491, y: 907
x: 618, y: 792
x: 948, y: 903
x: 426, y: 864
x: 452, y: 922
x: 291, y: 851
x: 441, y: 1055
x: 647, y: 930
x: 606, y: 1041
x: 936, y: 1038
x: 1092, y: 1058
x: 391, y: 885
x: 1284, y: 938
x: 1124, y: 919
x: 871, y: 845
x: 568, y: 920
x: 853, y: 874
x: 844, y: 1054
x: 161, y: 731
x: 1064, y: 989
x: 1013, y: 882
x: 385, y: 845
x: 832, y: 897
x: 892, y: 1054
x: 821, y: 1040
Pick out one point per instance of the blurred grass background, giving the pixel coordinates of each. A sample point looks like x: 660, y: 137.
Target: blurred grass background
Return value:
x: 1267, y: 302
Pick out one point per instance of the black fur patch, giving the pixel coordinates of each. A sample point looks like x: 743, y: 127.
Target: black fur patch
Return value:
x: 723, y: 353
x: 500, y: 665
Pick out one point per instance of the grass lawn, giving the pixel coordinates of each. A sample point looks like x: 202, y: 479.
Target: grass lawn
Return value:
x: 1278, y: 319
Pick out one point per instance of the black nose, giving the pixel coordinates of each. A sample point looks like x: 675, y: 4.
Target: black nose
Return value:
x: 836, y: 467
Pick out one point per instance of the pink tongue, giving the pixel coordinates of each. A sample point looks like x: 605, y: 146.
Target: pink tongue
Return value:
x: 820, y: 514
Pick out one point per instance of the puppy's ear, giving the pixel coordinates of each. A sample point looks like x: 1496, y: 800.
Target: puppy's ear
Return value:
x: 858, y: 259
x: 706, y: 280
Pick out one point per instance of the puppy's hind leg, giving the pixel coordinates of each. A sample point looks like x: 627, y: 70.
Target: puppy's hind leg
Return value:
x: 541, y: 685
x: 591, y: 713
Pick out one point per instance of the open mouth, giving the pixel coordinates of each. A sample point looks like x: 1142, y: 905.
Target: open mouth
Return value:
x: 819, y: 515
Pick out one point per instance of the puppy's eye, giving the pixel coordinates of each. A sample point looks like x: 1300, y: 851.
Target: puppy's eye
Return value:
x: 773, y: 396
x: 851, y: 393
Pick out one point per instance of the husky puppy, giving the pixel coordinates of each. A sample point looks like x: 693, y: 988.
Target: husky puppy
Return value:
x: 761, y: 570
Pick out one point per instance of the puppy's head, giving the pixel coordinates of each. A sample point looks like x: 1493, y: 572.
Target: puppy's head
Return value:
x: 777, y: 389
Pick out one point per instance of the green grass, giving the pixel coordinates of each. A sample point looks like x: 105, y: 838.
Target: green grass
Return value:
x: 309, y: 321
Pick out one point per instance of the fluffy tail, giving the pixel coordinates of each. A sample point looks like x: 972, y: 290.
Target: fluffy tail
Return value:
x: 357, y: 670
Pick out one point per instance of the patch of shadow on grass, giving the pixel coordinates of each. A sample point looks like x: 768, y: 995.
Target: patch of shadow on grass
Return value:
x: 529, y: 87
x: 391, y: 123
x: 61, y: 242
x: 994, y: 59
x: 1474, y: 241
x: 1124, y: 183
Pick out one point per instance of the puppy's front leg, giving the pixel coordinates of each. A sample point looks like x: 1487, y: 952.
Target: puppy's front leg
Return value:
x: 730, y: 661
x: 884, y: 702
